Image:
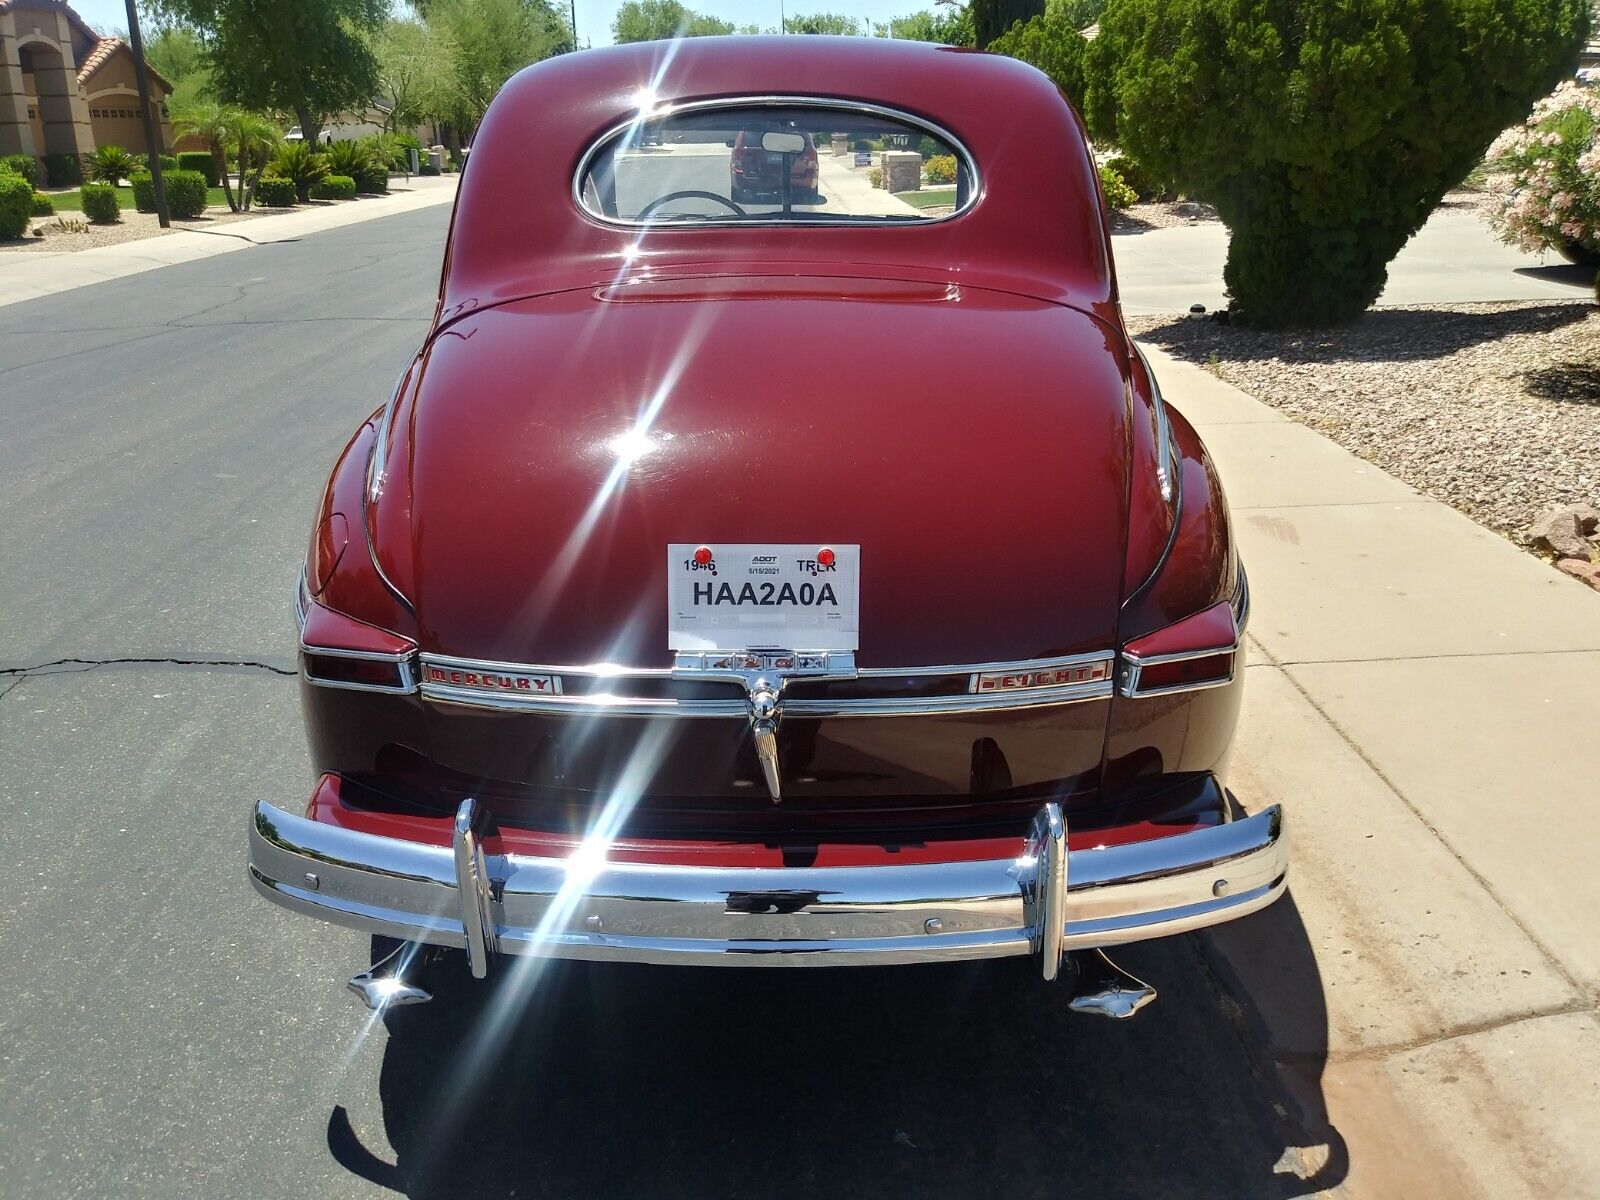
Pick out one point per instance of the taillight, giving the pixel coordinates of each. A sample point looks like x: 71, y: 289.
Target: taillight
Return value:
x: 1197, y: 652
x: 342, y: 652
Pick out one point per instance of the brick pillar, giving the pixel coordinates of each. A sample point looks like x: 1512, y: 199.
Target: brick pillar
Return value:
x: 16, y: 136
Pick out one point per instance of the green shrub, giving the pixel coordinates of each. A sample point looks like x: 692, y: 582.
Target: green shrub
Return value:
x: 25, y: 165
x: 274, y: 192
x: 62, y: 170
x: 43, y: 206
x: 348, y: 158
x: 427, y: 168
x: 1324, y: 134
x: 1117, y: 192
x: 334, y: 187
x: 144, y: 190
x: 202, y: 161
x: 298, y: 163
x: 100, y: 203
x: 109, y: 164
x: 186, y: 193
x: 875, y: 176
x: 941, y: 168
x: 1141, y: 181
x: 16, y: 204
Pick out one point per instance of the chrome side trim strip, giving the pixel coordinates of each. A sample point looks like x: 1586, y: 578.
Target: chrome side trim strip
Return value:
x: 669, y: 109
x: 619, y: 703
x: 773, y: 916
x: 1165, y: 474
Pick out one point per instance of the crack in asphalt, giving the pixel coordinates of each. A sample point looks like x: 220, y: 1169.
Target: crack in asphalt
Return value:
x: 89, y: 664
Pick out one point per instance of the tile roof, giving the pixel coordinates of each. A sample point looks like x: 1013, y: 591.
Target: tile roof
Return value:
x: 96, y: 58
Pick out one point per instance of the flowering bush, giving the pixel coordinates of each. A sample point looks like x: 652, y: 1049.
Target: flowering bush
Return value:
x: 1544, y: 181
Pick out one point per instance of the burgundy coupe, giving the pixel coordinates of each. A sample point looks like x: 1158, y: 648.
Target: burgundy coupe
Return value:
x: 818, y: 581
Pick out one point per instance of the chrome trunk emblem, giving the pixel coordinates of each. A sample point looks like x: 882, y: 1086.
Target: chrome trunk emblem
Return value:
x: 763, y: 674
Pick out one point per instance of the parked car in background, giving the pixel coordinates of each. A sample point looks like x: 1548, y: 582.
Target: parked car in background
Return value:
x: 743, y: 583
x: 757, y: 170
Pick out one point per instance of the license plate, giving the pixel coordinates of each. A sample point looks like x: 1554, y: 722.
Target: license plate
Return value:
x: 770, y: 596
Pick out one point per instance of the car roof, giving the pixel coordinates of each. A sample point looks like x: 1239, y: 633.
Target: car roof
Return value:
x: 1038, y: 227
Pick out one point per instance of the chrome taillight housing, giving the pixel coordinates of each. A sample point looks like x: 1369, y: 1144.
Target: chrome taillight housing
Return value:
x: 1200, y: 651
x: 341, y: 652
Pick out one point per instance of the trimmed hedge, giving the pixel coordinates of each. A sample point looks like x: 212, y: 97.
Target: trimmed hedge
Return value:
x: 144, y: 190
x: 186, y: 192
x: 100, y: 203
x: 62, y: 170
x: 374, y: 182
x: 169, y: 162
x: 25, y: 165
x: 427, y: 168
x: 334, y: 187
x: 201, y: 161
x: 43, y: 206
x: 274, y: 192
x: 16, y: 204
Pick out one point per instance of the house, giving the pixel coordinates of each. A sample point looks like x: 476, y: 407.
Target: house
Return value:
x: 64, y: 89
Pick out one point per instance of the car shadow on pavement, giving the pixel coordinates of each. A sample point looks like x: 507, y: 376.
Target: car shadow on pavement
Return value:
x: 587, y: 1079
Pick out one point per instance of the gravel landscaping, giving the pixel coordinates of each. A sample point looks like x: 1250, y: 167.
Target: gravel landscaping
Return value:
x: 132, y: 227
x: 1492, y: 408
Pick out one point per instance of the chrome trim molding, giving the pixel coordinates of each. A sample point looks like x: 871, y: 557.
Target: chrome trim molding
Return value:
x: 670, y: 109
x: 378, y: 463
x: 735, y: 667
x: 771, y: 916
x: 1165, y: 475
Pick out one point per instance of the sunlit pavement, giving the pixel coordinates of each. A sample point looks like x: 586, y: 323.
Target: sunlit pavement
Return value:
x: 1452, y: 259
x: 165, y: 1032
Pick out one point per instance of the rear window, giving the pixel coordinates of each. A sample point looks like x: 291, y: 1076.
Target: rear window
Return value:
x: 771, y: 162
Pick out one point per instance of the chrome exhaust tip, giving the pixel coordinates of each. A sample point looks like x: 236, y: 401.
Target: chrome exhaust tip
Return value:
x: 384, y: 985
x: 1103, y: 989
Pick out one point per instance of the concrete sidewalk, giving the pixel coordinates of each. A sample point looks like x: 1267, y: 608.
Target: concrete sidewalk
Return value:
x: 27, y: 276
x: 1454, y: 258
x: 1422, y: 697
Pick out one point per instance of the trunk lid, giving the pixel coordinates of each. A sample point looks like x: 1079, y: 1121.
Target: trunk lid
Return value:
x: 972, y: 443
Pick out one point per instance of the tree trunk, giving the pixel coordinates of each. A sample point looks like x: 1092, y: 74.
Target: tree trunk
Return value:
x: 310, y: 127
x: 244, y: 177
x: 220, y: 157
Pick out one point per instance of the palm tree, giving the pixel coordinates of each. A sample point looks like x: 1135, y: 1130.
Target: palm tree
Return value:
x: 250, y: 138
x: 208, y: 121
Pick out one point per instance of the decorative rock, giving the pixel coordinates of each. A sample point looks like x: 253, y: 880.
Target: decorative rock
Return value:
x: 1561, y: 532
x: 1589, y: 572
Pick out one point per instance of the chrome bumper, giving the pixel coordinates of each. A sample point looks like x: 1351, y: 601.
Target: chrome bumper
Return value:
x: 1045, y: 902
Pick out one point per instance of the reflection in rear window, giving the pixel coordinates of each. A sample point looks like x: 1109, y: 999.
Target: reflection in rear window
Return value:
x: 774, y: 162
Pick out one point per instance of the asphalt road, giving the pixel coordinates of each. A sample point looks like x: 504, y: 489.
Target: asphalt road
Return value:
x: 164, y: 1032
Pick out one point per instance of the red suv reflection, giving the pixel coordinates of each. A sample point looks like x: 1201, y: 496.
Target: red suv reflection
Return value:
x: 756, y: 171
